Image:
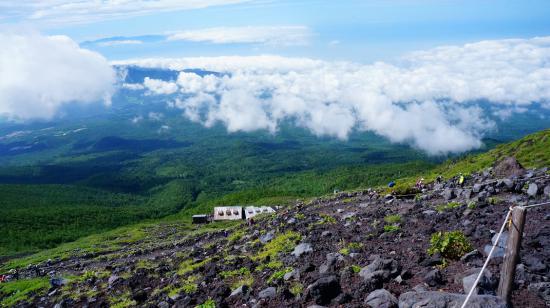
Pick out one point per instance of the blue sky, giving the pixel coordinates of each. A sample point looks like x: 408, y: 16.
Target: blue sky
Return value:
x: 360, y: 31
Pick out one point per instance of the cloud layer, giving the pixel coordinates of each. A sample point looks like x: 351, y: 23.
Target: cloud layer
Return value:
x: 82, y: 11
x: 39, y: 73
x: 268, y: 35
x: 425, y: 100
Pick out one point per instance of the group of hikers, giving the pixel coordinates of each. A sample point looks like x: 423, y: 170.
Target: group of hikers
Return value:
x: 10, y: 276
x: 459, y: 181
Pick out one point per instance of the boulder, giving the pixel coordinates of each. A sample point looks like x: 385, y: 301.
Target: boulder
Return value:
x: 486, y: 284
x: 113, y: 279
x: 302, y: 249
x: 389, y: 267
x: 163, y: 305
x: 381, y: 298
x: 267, y: 237
x: 509, y: 184
x: 448, y: 194
x: 533, y: 190
x: 324, y: 289
x: 501, y: 245
x: 270, y: 292
x: 546, y: 191
x: 542, y: 289
x: 292, y: 274
x: 477, y: 187
x: 435, y: 299
x: 379, y: 271
x: 508, y: 167
x: 240, y: 291
x: 433, y: 278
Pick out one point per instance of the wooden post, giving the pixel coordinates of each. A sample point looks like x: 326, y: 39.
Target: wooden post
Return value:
x: 511, y: 255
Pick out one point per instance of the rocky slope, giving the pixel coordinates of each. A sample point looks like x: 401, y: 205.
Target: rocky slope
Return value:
x: 357, y: 249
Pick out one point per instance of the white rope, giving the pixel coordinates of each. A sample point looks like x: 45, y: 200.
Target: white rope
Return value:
x: 488, y: 259
x: 535, y: 205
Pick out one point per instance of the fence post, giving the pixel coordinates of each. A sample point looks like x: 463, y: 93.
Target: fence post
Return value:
x: 511, y: 254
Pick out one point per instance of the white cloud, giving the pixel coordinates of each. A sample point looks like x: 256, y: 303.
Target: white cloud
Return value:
x: 119, y: 42
x: 155, y: 116
x: 268, y: 35
x: 156, y: 86
x: 83, y: 11
x: 38, y: 74
x: 427, y: 100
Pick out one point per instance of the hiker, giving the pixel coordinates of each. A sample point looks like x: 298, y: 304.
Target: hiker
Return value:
x: 391, y: 184
x: 439, y: 179
x: 461, y: 180
x: 225, y: 233
x: 420, y: 184
x: 3, y: 278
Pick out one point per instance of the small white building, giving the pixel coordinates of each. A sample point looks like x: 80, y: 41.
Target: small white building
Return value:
x: 251, y: 211
x: 228, y: 213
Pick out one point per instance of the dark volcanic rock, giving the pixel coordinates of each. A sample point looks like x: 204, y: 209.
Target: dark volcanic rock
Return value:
x: 324, y: 289
x: 381, y: 298
x: 302, y: 249
x: 435, y: 299
x: 508, y: 167
x: 542, y: 289
x: 270, y: 292
x: 433, y: 278
x: 532, y: 190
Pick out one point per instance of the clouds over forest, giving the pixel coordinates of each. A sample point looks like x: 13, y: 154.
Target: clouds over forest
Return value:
x: 425, y: 99
x: 39, y: 74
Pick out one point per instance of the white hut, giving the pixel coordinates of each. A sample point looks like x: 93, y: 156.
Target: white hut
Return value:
x: 228, y: 213
x: 251, y: 211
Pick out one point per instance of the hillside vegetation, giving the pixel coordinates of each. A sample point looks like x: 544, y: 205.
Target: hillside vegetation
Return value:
x: 531, y: 151
x: 337, y: 250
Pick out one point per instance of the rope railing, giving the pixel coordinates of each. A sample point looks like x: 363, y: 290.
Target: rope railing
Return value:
x: 507, y: 220
x: 474, y: 286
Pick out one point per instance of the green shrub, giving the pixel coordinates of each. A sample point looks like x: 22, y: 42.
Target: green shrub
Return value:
x: 21, y: 290
x: 392, y: 219
x: 391, y: 228
x: 209, y: 303
x: 451, y: 245
x: 355, y: 268
x: 449, y: 206
x: 472, y: 205
x: 296, y: 289
x: 344, y: 251
x: 493, y: 200
x: 282, y: 243
x: 326, y: 219
x: 279, y: 275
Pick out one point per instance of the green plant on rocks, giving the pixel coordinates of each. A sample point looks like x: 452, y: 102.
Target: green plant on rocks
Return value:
x: 296, y: 289
x: 278, y: 275
x: 494, y: 200
x: 326, y: 219
x: 349, y: 248
x: 235, y: 236
x: 238, y: 277
x: 472, y: 205
x: 355, y: 268
x: 282, y: 243
x: 449, y: 206
x: 391, y: 228
x: 392, y: 219
x: 209, y: 303
x: 451, y: 245
x: 20, y: 290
